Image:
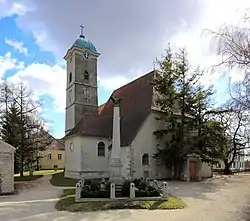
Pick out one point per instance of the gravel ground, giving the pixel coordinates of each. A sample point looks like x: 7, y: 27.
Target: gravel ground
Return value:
x: 219, y: 199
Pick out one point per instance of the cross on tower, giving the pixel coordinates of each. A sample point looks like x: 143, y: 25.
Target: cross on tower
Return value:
x: 81, y: 31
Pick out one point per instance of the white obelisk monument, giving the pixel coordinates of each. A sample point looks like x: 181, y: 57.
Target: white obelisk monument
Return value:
x: 115, y: 159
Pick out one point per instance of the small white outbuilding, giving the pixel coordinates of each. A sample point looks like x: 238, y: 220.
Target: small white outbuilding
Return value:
x: 6, y: 168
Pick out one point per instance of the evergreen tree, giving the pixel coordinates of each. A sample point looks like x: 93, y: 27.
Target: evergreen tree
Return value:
x: 214, y: 140
x: 174, y: 87
x: 21, y: 126
x: 10, y: 131
x: 165, y: 93
x: 202, y: 110
x: 186, y: 106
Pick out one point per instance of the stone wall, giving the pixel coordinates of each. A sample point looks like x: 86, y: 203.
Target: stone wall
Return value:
x: 6, y: 172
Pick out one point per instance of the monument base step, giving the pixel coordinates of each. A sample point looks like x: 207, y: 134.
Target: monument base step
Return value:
x: 118, y: 190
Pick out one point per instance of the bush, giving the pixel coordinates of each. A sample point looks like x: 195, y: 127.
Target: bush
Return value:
x: 93, y: 189
x: 146, y: 193
x: 107, y: 186
x: 89, y: 181
x: 103, y: 194
x: 142, y: 185
x: 137, y: 181
x: 87, y: 194
x: 150, y: 188
x: 141, y: 193
x: 126, y: 188
x: 87, y: 188
x: 95, y: 186
x: 154, y: 193
x: 95, y: 194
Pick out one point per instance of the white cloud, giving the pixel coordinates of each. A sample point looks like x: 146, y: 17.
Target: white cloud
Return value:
x: 17, y: 45
x: 198, y: 42
x: 7, y: 62
x: 124, y: 43
x: 18, y: 9
x: 132, y: 43
x: 11, y: 7
x: 44, y: 79
x: 112, y: 83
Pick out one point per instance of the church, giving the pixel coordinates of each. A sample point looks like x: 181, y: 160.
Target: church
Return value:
x: 89, y: 127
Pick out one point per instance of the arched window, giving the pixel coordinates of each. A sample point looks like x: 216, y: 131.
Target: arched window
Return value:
x: 86, y: 76
x: 145, y: 159
x: 101, y: 149
x: 71, y: 147
x: 70, y: 77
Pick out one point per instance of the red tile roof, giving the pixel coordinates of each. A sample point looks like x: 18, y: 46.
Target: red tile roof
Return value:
x: 100, y: 108
x: 135, y: 106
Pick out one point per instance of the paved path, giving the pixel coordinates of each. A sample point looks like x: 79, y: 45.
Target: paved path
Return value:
x: 222, y: 199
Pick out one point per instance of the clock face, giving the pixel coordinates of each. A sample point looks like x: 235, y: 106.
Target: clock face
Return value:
x: 86, y: 55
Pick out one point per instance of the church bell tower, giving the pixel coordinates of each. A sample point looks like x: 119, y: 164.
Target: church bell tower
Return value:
x: 81, y: 86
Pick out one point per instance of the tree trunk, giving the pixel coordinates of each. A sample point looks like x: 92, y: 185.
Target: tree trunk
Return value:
x: 21, y: 163
x: 38, y: 166
x: 227, y: 169
x: 16, y: 166
x: 177, y: 170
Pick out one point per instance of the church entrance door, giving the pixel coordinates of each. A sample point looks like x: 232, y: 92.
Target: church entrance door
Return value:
x: 193, y: 170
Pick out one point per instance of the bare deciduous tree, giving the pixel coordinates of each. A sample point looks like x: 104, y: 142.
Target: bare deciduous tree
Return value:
x: 237, y: 128
x: 233, y: 44
x: 20, y: 117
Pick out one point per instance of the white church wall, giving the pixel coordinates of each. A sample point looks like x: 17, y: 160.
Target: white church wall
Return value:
x: 84, y: 161
x: 90, y: 158
x: 206, y: 170
x: 146, y: 143
x: 72, y: 157
x: 94, y: 166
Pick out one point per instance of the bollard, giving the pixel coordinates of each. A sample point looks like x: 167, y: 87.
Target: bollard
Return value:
x: 78, y: 191
x: 132, y: 191
x: 165, y: 190
x: 82, y: 182
x: 112, y: 191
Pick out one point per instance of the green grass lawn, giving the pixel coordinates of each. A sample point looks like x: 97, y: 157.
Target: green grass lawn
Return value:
x: 27, y: 178
x: 36, y: 175
x: 58, y: 179
x: 67, y: 203
x: 40, y: 172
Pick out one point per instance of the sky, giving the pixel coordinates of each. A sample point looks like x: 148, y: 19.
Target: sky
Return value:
x: 130, y: 35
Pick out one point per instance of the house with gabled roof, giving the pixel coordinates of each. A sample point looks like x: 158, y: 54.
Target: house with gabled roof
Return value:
x: 88, y: 129
x: 53, y: 155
